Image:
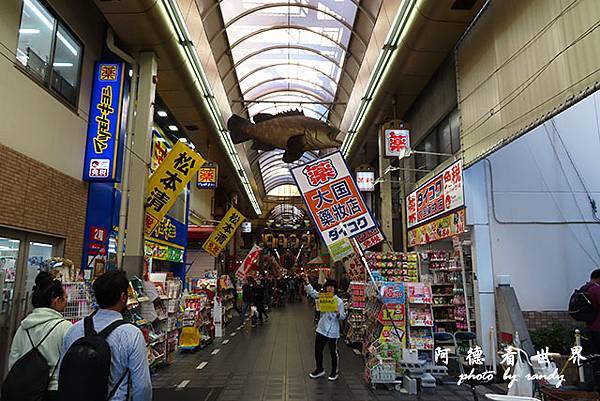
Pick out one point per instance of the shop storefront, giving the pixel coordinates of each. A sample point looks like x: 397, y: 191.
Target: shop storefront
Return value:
x: 439, y: 234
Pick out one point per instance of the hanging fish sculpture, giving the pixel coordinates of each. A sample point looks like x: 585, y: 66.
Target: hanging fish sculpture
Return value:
x: 291, y: 131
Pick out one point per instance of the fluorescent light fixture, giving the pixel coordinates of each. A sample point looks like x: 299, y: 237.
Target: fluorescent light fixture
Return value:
x: 67, y: 44
x: 184, y: 140
x: 173, y: 128
x: 130, y: 73
x: 62, y: 64
x: 14, y: 241
x: 159, y: 139
x: 41, y: 244
x: 162, y: 113
x: 30, y: 31
x: 50, y: 25
x: 174, y: 15
x: 381, y: 69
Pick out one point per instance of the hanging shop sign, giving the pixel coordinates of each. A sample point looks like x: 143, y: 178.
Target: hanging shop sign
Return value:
x: 370, y: 238
x: 169, y: 179
x: 223, y: 233
x: 160, y: 148
x: 365, y: 181
x: 327, y: 302
x: 332, y: 198
x: 208, y: 175
x: 249, y: 262
x: 397, y: 142
x: 158, y: 251
x: 104, y: 140
x: 170, y: 232
x: 444, y: 227
x: 439, y: 195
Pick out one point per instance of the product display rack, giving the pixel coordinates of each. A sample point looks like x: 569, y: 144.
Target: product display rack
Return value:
x: 452, y: 292
x: 227, y: 292
x: 80, y: 301
x: 394, y: 266
x: 355, y: 322
x: 420, y: 318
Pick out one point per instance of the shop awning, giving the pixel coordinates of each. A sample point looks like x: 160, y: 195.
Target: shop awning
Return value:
x: 199, y: 233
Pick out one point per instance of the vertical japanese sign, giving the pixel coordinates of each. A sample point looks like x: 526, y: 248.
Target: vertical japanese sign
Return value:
x: 332, y: 198
x: 105, y: 124
x: 208, y: 175
x: 223, y: 233
x: 169, y: 179
x: 397, y: 142
x: 439, y: 195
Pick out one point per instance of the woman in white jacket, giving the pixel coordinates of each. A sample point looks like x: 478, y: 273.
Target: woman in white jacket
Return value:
x: 49, y: 300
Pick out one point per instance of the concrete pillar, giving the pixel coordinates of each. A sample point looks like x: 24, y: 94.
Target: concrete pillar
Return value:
x: 133, y: 262
x: 385, y: 193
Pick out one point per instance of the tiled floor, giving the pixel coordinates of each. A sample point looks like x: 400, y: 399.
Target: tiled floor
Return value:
x: 271, y: 363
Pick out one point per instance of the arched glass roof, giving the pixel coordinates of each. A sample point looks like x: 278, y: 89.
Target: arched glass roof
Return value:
x: 288, y: 55
x: 287, y: 216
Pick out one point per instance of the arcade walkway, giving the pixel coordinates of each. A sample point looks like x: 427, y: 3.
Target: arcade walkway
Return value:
x: 271, y: 363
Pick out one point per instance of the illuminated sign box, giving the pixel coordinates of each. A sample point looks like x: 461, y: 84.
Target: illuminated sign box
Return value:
x: 106, y: 123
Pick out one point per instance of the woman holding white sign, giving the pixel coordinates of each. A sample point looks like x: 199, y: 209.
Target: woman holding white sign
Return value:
x: 328, y: 329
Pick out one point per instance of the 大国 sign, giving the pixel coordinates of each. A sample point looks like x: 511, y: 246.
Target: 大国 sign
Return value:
x: 439, y: 195
x: 169, y: 179
x: 223, y: 233
x: 332, y: 198
x: 105, y: 123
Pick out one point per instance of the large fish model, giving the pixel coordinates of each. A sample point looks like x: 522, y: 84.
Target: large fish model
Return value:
x: 291, y: 131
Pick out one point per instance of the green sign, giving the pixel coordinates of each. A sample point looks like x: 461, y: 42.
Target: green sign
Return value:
x: 340, y: 249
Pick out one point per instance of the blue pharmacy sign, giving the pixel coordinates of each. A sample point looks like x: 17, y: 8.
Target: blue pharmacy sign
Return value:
x: 106, y: 124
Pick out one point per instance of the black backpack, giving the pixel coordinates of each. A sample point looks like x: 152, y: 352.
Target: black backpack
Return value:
x: 85, y: 368
x: 581, y: 307
x: 30, y: 375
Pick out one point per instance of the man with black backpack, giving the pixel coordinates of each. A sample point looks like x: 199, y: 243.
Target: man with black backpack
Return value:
x: 584, y: 306
x: 105, y: 357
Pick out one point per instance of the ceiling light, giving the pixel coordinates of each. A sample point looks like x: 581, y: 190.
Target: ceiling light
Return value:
x: 32, y: 31
x: 62, y: 64
x: 184, y: 140
x: 173, y: 128
x: 162, y: 113
x: 41, y: 244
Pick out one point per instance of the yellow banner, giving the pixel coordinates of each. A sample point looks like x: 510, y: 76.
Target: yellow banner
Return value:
x: 169, y: 179
x: 223, y: 232
x: 327, y: 302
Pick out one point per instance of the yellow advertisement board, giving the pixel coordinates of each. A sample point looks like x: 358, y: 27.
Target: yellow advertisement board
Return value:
x: 169, y: 179
x: 327, y: 303
x: 223, y: 233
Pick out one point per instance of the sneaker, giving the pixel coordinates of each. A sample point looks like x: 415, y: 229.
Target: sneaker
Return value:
x: 316, y: 374
x: 333, y: 377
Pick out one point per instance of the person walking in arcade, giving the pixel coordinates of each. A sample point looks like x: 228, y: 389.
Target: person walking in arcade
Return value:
x: 328, y: 331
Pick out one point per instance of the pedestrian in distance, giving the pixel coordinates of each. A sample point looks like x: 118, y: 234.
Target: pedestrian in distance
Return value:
x: 105, y: 358
x: 328, y: 331
x: 247, y: 298
x: 259, y: 300
x: 37, y: 345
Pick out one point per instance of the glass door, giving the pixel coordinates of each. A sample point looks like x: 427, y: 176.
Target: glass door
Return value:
x: 9, y: 256
x: 37, y: 253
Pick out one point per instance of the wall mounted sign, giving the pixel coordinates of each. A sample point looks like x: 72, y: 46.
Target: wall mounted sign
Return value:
x: 106, y: 121
x: 208, y: 175
x: 444, y: 227
x: 441, y: 194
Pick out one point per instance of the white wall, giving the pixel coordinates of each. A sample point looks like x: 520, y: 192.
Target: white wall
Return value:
x: 34, y: 122
x: 534, y: 184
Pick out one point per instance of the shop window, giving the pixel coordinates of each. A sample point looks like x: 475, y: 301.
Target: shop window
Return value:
x: 48, y: 51
x: 444, y: 138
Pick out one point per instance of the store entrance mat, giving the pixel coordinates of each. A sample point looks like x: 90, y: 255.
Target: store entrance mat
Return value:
x: 187, y: 394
